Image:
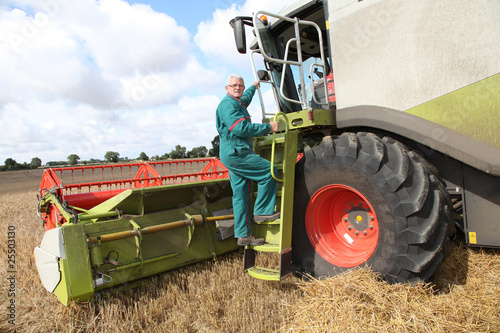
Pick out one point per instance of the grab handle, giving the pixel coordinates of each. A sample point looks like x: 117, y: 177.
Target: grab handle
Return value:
x: 273, y: 144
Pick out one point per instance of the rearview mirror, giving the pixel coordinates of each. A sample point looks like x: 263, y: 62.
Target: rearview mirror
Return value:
x: 238, y: 25
x: 263, y: 75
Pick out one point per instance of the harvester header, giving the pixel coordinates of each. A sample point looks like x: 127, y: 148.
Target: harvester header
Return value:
x: 108, y: 225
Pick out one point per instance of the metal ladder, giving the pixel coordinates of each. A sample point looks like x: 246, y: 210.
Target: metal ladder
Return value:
x: 281, y: 150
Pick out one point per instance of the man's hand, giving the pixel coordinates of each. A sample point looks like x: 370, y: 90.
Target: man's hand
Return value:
x: 256, y: 84
x: 274, y: 126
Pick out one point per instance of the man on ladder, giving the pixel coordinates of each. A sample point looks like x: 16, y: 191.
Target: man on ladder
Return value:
x: 236, y: 153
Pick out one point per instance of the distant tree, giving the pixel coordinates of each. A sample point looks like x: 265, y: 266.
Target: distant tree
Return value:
x: 143, y: 156
x: 10, y: 163
x: 198, y: 152
x: 164, y: 156
x: 54, y: 163
x: 35, y: 162
x: 179, y: 152
x: 214, y: 151
x: 111, y: 156
x: 73, y: 159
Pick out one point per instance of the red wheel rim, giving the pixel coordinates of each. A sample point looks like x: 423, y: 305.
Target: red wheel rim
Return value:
x: 342, y: 225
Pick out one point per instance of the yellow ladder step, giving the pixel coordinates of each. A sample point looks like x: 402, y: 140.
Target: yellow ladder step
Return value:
x: 269, y: 274
x: 265, y: 247
x: 277, y: 221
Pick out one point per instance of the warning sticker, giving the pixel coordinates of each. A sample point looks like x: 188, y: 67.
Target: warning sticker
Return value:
x: 472, y: 237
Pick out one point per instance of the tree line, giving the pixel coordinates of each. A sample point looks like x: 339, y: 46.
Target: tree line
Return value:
x: 114, y: 157
x: 11, y: 164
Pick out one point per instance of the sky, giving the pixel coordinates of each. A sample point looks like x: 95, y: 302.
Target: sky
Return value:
x: 86, y: 77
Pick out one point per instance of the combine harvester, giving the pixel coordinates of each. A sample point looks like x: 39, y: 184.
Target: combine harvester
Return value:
x: 399, y: 104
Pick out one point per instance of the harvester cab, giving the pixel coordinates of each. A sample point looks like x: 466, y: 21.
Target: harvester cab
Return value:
x: 293, y: 52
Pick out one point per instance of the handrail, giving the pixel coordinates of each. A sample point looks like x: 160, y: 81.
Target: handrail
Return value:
x: 273, y: 144
x: 264, y: 113
x: 296, y: 22
x: 261, y: 99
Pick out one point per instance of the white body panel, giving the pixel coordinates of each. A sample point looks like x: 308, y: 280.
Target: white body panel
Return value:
x: 399, y: 54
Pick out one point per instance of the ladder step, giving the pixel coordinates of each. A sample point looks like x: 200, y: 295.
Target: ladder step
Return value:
x: 263, y: 273
x: 267, y: 141
x: 267, y: 247
x: 277, y: 221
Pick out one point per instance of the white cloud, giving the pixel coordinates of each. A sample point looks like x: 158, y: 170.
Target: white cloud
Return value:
x: 96, y: 53
x: 43, y: 129
x: 88, y: 76
x: 216, y: 38
x: 189, y: 122
x: 128, y: 39
x: 41, y: 58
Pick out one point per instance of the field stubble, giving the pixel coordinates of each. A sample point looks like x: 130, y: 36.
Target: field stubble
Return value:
x: 215, y: 296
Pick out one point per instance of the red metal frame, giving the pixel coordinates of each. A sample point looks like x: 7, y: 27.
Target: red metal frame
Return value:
x: 85, y: 187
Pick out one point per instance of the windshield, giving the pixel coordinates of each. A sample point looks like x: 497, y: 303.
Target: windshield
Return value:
x: 275, y: 48
x: 312, y: 74
x: 299, y: 84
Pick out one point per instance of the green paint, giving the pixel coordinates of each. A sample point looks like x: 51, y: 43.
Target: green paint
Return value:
x: 126, y: 260
x: 302, y: 119
x: 473, y: 111
x: 278, y: 234
x: 77, y: 283
x: 61, y: 290
x: 264, y: 273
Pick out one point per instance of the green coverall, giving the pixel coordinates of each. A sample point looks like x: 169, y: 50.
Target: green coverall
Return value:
x: 236, y: 153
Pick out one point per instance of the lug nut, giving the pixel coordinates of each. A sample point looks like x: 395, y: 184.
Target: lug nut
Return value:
x: 356, y: 232
x: 349, y: 228
x: 371, y: 227
x: 365, y: 232
x: 345, y: 219
x: 372, y: 218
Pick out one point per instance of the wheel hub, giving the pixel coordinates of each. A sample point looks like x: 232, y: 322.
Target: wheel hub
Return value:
x: 342, y: 226
x: 359, y: 218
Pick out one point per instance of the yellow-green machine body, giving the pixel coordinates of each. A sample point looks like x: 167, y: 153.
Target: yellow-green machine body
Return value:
x: 132, y: 233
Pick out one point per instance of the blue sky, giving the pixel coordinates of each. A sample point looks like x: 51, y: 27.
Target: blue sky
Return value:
x: 89, y: 76
x: 182, y: 11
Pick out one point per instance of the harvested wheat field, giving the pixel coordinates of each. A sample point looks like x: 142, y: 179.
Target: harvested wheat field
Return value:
x: 216, y: 296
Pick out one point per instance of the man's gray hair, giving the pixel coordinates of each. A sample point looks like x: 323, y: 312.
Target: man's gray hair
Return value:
x: 236, y: 76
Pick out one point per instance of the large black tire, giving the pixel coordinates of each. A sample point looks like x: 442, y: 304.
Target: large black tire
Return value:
x: 362, y: 200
